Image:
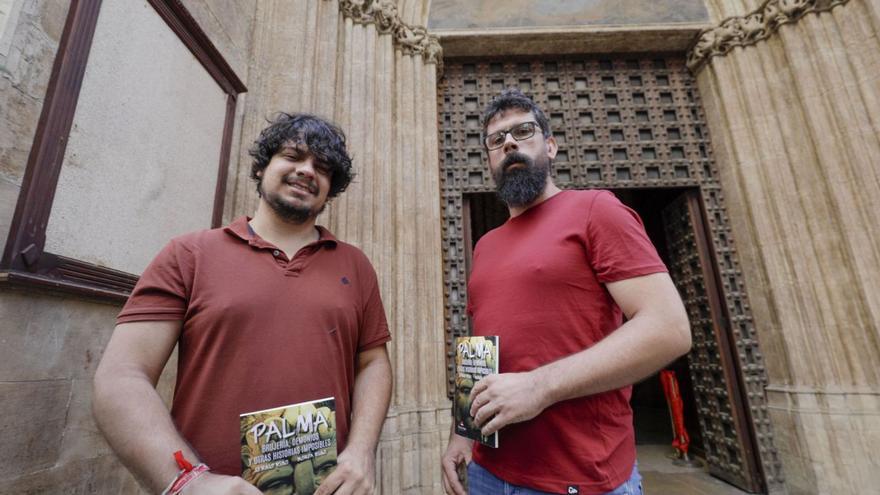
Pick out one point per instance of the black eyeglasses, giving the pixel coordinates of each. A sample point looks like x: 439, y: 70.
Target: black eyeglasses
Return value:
x: 519, y: 132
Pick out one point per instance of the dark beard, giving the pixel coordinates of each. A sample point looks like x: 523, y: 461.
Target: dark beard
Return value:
x: 521, y: 186
x: 289, y: 212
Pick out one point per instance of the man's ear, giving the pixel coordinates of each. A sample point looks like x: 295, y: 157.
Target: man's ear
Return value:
x: 552, y: 147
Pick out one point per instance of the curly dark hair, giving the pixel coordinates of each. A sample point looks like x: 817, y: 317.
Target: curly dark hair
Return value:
x: 324, y: 139
x: 514, y: 98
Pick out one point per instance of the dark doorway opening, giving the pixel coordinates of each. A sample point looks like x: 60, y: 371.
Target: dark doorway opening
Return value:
x: 650, y: 411
x: 484, y: 212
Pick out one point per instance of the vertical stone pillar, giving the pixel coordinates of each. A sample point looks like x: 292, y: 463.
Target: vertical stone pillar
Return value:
x: 369, y: 67
x: 792, y: 95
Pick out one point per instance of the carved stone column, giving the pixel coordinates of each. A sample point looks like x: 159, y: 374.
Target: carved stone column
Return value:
x: 369, y: 67
x: 792, y: 95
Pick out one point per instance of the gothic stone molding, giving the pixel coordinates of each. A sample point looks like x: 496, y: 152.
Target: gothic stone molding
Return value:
x: 413, y: 40
x: 751, y: 28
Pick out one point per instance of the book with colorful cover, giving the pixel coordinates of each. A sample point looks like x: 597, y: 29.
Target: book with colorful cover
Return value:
x: 289, y: 449
x: 475, y: 358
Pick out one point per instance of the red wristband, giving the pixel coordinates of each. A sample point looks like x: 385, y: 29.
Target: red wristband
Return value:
x: 187, y: 473
x: 182, y: 463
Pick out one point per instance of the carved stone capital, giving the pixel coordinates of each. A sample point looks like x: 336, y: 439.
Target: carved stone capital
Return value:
x: 751, y: 28
x: 413, y: 40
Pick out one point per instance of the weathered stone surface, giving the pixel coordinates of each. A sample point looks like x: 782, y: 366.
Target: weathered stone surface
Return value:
x: 32, y: 421
x: 8, y: 198
x: 50, y: 348
x: 52, y: 17
x: 795, y: 138
x: 24, y: 76
x: 81, y: 434
x: 89, y: 475
x: 568, y: 40
x: 818, y: 433
x: 51, y: 337
x: 466, y: 14
x: 229, y: 24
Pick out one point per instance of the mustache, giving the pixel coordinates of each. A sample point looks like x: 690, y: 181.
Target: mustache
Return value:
x: 516, y: 157
x: 308, y: 184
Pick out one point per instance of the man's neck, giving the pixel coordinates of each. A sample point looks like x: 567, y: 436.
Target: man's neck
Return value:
x: 549, y: 191
x: 288, y: 236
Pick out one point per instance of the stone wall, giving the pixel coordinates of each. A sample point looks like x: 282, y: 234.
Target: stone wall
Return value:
x: 467, y: 14
x: 552, y: 28
x: 371, y: 70
x: 792, y: 94
x: 25, y: 67
x: 51, y: 344
x: 51, y: 347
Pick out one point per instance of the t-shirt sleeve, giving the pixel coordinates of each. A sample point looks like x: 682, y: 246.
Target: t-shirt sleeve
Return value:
x: 162, y: 291
x: 617, y: 246
x: 374, y: 325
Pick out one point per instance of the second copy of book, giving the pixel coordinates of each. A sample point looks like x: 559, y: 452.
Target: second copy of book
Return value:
x: 289, y: 449
x: 475, y: 358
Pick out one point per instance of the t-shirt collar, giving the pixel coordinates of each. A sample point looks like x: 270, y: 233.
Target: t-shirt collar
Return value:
x: 241, y: 228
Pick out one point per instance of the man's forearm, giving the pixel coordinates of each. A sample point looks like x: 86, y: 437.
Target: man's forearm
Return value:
x: 632, y: 352
x: 372, y: 394
x: 136, y: 423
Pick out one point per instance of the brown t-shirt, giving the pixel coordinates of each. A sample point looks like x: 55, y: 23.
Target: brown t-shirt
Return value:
x: 259, y: 331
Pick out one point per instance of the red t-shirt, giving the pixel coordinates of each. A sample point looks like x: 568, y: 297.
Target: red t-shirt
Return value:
x: 259, y: 331
x: 537, y: 283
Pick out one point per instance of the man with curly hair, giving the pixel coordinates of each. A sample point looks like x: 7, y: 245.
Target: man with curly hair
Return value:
x: 554, y: 284
x: 266, y: 312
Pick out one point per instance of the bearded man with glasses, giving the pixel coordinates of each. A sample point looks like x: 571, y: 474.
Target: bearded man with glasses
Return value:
x: 554, y: 283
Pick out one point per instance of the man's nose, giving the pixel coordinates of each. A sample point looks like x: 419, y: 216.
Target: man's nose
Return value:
x: 510, y: 144
x: 306, y: 168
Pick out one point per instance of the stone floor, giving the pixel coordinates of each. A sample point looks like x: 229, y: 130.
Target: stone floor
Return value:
x: 661, y: 477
